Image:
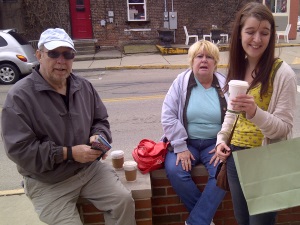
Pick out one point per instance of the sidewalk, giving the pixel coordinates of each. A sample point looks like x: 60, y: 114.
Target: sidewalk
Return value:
x: 159, y: 61
x: 114, y: 59
x: 16, y: 209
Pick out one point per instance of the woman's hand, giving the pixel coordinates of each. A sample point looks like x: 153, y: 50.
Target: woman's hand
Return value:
x: 222, y: 152
x: 214, y: 158
x: 246, y: 104
x: 185, y: 159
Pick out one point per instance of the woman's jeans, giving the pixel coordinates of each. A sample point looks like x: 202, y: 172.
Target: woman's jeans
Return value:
x: 201, y: 205
x: 239, y: 202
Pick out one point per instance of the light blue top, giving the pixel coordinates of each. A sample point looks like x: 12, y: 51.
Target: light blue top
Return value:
x: 203, y: 113
x: 173, y: 107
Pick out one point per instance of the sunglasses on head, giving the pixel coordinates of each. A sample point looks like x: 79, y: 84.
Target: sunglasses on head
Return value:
x: 55, y: 54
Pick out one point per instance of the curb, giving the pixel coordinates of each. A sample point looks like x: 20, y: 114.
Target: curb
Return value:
x: 183, y: 66
x: 162, y: 66
x: 12, y: 192
x: 178, y: 66
x: 222, y: 48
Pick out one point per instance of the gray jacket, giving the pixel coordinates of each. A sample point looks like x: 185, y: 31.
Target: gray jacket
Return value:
x: 173, y: 117
x: 36, y: 124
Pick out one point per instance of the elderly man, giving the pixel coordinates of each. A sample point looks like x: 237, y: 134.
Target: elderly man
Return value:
x: 49, y: 120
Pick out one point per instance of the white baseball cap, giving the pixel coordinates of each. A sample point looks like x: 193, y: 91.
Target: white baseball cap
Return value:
x: 55, y: 37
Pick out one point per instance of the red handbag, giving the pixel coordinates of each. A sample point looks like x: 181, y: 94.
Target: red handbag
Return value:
x: 150, y: 155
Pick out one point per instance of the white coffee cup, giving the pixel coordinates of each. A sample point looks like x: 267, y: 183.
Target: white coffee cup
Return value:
x: 236, y: 87
x: 130, y: 168
x: 117, y: 158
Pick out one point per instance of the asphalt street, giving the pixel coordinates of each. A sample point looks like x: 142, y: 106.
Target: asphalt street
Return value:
x: 133, y: 99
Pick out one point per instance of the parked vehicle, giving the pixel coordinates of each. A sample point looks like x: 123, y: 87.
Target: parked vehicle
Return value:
x: 298, y: 24
x: 17, y: 56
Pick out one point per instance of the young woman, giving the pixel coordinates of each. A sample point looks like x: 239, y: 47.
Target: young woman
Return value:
x: 268, y: 108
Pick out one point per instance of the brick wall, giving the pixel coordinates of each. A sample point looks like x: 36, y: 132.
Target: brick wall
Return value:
x: 40, y: 15
x: 157, y: 203
x: 168, y: 209
x: 194, y: 14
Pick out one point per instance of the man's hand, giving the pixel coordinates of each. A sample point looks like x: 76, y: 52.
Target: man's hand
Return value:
x: 93, y: 138
x: 84, y: 154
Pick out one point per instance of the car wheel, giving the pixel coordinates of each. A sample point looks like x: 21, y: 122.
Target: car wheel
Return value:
x: 9, y: 74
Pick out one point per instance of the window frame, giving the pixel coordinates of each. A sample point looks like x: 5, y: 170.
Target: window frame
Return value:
x: 275, y: 12
x: 130, y: 4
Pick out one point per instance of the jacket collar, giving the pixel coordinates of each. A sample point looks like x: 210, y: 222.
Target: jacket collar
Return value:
x: 192, y: 81
x: 41, y: 84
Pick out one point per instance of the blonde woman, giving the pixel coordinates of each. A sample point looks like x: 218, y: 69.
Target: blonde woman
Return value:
x: 192, y: 114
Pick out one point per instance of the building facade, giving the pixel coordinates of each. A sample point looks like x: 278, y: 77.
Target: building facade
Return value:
x: 121, y: 22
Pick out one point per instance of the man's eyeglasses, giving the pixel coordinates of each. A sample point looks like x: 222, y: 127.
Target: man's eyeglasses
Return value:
x: 55, y: 54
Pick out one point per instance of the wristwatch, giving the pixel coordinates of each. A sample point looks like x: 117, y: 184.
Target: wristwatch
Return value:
x: 69, y: 153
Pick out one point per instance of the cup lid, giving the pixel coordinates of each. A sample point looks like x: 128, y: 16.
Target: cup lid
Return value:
x: 129, y: 165
x: 239, y: 83
x: 117, y: 154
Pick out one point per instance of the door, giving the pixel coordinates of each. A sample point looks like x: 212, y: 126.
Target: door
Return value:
x: 81, y: 22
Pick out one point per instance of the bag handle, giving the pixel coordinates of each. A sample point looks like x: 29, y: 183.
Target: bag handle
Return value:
x: 232, y: 130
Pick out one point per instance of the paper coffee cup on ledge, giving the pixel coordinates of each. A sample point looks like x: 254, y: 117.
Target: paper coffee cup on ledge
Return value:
x: 236, y: 87
x: 130, y: 168
x: 117, y: 158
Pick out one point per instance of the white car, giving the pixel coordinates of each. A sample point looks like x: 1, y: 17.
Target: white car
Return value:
x: 298, y: 24
x: 17, y: 56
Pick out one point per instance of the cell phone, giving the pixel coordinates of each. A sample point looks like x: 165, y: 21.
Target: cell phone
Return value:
x: 101, y: 144
x: 103, y: 153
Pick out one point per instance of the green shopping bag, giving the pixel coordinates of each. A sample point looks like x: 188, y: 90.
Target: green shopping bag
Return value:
x: 270, y: 176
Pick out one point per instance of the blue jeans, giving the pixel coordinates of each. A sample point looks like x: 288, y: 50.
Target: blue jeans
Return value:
x: 238, y: 199
x: 201, y: 205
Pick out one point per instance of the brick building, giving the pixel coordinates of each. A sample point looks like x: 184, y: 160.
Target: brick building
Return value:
x: 120, y: 22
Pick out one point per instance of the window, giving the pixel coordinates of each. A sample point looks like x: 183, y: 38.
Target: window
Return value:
x: 280, y: 10
x: 79, y: 5
x: 2, y: 42
x: 136, y: 10
x: 19, y: 38
x: 277, y: 6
